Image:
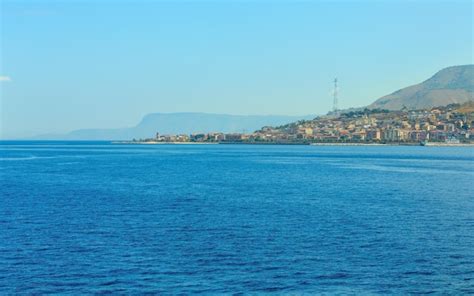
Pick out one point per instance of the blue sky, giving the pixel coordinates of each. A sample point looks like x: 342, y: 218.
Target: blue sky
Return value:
x: 96, y: 64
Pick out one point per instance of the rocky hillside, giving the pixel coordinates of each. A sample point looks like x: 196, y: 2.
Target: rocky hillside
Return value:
x: 452, y: 85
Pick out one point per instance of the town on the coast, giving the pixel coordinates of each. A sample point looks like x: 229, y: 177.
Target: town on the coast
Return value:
x: 451, y: 124
x: 437, y: 111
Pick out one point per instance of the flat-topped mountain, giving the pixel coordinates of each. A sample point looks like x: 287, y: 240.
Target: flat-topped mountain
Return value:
x: 180, y: 123
x: 452, y: 85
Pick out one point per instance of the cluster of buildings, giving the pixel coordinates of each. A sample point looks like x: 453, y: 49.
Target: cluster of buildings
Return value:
x: 443, y: 124
x: 446, y: 124
x: 202, y: 138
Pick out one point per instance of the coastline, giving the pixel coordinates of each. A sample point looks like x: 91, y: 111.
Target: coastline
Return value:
x: 162, y: 143
x: 353, y: 144
x: 430, y: 144
x: 449, y: 144
x: 397, y: 144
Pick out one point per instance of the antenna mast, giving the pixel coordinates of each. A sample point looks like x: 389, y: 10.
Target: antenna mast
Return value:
x: 334, y: 104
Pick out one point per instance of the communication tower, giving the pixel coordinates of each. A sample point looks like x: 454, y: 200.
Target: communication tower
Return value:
x: 335, y: 99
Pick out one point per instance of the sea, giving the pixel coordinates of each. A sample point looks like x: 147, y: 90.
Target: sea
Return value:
x: 103, y: 218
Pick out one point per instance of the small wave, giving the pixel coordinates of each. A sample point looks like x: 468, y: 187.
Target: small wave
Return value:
x: 21, y: 158
x: 68, y: 163
x: 333, y: 276
x: 399, y: 169
x: 25, y: 158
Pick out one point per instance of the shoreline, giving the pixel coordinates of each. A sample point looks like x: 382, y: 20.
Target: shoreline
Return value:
x: 162, y: 143
x: 449, y: 145
x: 431, y: 144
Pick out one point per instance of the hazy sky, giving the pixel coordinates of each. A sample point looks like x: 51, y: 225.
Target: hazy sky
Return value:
x: 83, y: 64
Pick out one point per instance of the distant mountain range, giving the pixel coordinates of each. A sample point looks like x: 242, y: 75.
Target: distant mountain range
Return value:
x: 450, y: 85
x: 180, y: 123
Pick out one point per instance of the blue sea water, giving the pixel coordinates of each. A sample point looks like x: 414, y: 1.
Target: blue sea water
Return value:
x: 96, y: 217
